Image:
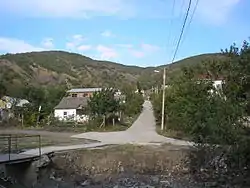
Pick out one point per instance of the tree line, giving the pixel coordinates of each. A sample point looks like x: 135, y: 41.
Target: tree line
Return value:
x: 102, y: 107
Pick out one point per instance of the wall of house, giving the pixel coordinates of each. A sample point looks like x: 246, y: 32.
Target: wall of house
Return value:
x: 218, y: 84
x: 60, y: 113
x: 71, y: 113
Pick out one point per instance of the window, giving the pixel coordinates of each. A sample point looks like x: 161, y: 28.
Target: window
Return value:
x: 65, y: 113
x: 85, y: 94
x: 74, y: 95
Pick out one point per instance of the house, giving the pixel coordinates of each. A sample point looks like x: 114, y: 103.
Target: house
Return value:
x: 6, y: 103
x: 72, y: 109
x: 82, y: 92
x: 217, y: 82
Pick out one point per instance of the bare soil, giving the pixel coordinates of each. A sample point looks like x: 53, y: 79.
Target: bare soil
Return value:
x: 120, y: 166
x: 47, y: 139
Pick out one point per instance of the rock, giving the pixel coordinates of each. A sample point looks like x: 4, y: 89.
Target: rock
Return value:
x: 155, y: 179
x: 147, y: 186
x: 165, y: 182
x: 211, y: 184
x: 44, y: 161
x: 52, y: 175
x: 85, y: 183
x: 58, y: 179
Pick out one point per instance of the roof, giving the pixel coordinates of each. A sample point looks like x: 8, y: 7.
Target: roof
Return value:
x: 72, y: 103
x: 209, y: 77
x: 82, y: 90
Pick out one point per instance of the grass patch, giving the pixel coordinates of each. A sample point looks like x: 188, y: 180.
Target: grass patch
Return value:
x: 173, y: 134
x: 89, y: 127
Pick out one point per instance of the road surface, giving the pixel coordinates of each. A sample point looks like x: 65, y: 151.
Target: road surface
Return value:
x: 143, y: 131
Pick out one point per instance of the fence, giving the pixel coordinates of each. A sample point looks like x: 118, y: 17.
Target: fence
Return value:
x: 14, y: 143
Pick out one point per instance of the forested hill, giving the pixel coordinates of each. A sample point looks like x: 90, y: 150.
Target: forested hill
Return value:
x: 54, y: 67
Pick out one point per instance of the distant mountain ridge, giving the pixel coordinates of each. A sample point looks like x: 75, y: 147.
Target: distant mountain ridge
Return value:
x: 54, y: 67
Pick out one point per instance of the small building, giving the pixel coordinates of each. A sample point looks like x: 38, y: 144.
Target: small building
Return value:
x: 216, y: 82
x: 8, y: 102
x: 72, y: 109
x: 82, y: 92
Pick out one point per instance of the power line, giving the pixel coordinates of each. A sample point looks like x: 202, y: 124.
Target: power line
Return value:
x: 164, y: 72
x: 182, y: 30
x: 175, y: 38
x: 170, y: 24
x: 191, y: 18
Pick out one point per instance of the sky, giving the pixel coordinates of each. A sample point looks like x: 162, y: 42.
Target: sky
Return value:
x: 131, y: 32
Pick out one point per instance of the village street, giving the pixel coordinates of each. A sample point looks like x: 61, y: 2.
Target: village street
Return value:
x: 141, y: 132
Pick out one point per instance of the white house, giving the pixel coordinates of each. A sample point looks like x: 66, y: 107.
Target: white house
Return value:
x: 72, y: 108
x: 217, y: 83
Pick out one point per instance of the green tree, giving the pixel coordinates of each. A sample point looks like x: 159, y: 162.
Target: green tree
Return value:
x: 133, y: 101
x: 138, y: 85
x: 103, y: 104
x: 2, y: 90
x: 214, y: 118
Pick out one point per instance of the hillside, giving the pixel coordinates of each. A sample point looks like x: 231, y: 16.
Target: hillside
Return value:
x: 54, y: 67
x: 149, y: 77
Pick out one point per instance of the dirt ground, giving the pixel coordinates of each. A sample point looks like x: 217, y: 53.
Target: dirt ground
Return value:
x: 47, y: 138
x: 119, y: 166
x: 139, y: 159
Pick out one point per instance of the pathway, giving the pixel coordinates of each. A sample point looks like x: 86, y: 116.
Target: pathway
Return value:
x: 142, y: 132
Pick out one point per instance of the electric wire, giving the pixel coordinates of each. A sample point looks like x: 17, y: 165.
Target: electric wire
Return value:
x: 182, y: 31
x: 191, y: 19
x: 171, y: 24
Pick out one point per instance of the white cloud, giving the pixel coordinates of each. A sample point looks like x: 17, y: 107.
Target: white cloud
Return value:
x: 106, y: 52
x: 138, y: 54
x: 149, y: 47
x: 125, y: 45
x: 214, y: 11
x: 78, y: 38
x: 12, y: 45
x: 145, y: 49
x: 84, y: 47
x: 74, y: 42
x: 48, y: 43
x: 66, y: 8
x: 107, y: 33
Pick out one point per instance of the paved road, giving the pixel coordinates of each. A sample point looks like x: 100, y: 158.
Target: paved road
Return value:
x: 141, y: 132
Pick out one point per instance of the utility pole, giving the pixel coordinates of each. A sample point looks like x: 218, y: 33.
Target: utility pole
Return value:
x: 163, y: 100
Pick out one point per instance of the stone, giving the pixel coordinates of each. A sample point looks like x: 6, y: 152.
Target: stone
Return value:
x: 85, y: 183
x: 155, y: 179
x: 43, y: 161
